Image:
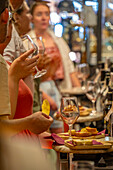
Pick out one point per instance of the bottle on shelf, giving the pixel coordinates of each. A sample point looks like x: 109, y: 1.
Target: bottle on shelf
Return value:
x: 105, y: 73
x: 101, y: 81
x: 103, y: 96
x: 107, y: 108
x: 111, y: 83
x: 106, y: 87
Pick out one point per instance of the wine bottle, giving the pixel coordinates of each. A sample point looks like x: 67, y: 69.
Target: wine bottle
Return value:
x: 102, y: 85
x: 106, y: 87
x: 108, y: 105
x: 111, y: 83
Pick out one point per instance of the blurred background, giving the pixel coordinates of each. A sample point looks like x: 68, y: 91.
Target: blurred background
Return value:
x: 87, y: 27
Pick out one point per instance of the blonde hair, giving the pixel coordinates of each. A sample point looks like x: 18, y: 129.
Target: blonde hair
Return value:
x: 35, y: 4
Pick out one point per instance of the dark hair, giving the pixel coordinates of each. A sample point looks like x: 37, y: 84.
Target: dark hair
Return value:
x: 35, y: 4
x: 20, y: 9
x: 3, y: 5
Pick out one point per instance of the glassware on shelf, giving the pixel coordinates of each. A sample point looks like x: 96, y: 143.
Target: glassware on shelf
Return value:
x: 69, y: 111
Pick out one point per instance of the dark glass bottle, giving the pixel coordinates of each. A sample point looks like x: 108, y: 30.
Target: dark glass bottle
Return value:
x: 111, y: 83
x: 104, y: 95
x: 108, y: 105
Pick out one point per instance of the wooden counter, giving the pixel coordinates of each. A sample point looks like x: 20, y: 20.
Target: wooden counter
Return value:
x: 64, y: 149
x: 82, y: 119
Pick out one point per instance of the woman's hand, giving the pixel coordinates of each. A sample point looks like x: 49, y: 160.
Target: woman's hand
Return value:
x: 23, y: 66
x: 43, y: 61
x: 39, y: 122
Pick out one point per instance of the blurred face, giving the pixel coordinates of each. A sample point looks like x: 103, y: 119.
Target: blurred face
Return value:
x: 24, y: 20
x: 41, y: 16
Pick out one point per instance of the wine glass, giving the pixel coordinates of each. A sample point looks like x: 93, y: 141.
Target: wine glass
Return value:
x: 92, y: 94
x: 69, y: 111
x: 83, y: 73
x: 37, y: 50
x: 40, y: 44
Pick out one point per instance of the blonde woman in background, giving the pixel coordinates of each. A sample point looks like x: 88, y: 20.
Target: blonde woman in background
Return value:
x: 60, y: 69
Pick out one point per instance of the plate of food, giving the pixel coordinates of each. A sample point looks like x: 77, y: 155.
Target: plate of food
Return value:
x: 87, y: 144
x: 84, y: 111
x: 84, y: 133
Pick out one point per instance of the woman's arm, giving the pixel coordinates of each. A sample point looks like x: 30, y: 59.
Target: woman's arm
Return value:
x: 36, y: 123
x: 75, y: 81
x: 20, y: 68
x: 50, y: 100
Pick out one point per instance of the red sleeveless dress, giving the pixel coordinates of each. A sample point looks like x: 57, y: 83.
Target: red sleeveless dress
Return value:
x: 24, y: 101
x: 23, y: 109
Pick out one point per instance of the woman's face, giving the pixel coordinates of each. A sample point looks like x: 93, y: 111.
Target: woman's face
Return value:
x: 41, y: 16
x: 24, y: 20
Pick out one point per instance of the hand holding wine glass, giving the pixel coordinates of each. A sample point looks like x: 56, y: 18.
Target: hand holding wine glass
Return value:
x: 69, y: 111
x: 39, y: 50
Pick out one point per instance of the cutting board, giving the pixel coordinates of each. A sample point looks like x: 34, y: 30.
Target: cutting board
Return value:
x: 104, y: 145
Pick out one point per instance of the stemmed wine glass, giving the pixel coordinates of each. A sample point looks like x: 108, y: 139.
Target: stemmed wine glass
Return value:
x: 83, y: 73
x: 92, y: 94
x: 69, y: 111
x: 39, y: 50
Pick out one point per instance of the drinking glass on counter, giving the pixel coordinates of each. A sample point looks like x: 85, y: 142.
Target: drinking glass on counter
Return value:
x: 69, y: 111
x: 83, y: 73
x: 92, y: 94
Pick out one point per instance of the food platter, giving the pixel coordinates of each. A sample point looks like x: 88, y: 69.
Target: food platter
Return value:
x: 86, y: 118
x: 66, y: 136
x: 84, y: 111
x: 87, y: 144
x: 86, y: 148
x: 84, y: 133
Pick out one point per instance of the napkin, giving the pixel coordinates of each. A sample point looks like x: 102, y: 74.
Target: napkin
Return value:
x: 94, y: 142
x: 58, y: 140
x: 102, y: 132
